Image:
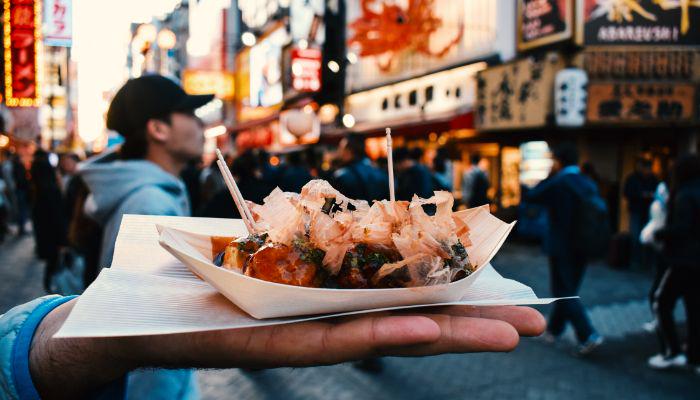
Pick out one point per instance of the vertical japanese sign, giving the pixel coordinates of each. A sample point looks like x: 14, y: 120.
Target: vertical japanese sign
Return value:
x: 58, y: 23
x: 21, y: 41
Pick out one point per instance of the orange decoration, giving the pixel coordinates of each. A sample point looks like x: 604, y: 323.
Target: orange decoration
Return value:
x: 394, y: 30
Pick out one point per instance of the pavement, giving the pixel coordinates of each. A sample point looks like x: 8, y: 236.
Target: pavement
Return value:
x: 535, y: 370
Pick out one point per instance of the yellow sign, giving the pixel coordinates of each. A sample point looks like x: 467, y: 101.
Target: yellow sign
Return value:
x: 220, y: 83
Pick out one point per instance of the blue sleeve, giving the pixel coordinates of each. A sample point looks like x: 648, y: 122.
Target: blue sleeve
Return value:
x: 542, y: 193
x: 20, y: 351
x: 17, y: 328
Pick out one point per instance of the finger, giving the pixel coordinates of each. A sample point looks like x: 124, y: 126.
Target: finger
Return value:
x: 526, y: 320
x: 328, y: 343
x: 367, y: 336
x: 465, y: 335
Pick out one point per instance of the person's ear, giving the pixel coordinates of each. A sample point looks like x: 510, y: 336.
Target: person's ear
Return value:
x: 157, y: 130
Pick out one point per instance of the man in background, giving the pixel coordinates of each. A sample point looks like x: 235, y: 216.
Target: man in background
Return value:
x: 161, y: 135
x: 561, y: 193
x: 358, y: 178
x: 475, y: 184
x: 639, y: 190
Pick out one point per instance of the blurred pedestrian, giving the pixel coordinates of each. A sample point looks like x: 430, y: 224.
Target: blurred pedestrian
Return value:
x: 161, y: 135
x: 20, y: 179
x: 358, y: 178
x: 639, y: 190
x: 68, y: 169
x: 681, y: 239
x: 48, y: 214
x: 412, y: 177
x: 475, y: 184
x: 191, y: 176
x: 657, y: 221
x: 269, y: 173
x: 246, y: 172
x: 561, y: 193
x: 295, y: 173
x: 442, y: 174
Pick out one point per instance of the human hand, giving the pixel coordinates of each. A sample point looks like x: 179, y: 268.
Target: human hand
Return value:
x: 83, y: 364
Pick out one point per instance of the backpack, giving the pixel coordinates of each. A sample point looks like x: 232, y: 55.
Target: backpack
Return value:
x: 591, y: 231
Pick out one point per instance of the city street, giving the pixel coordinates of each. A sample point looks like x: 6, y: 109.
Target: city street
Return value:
x: 536, y: 370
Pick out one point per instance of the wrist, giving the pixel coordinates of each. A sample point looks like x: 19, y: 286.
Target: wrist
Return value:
x: 76, y: 366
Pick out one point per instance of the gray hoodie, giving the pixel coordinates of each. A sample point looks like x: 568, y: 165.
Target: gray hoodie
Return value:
x: 129, y: 187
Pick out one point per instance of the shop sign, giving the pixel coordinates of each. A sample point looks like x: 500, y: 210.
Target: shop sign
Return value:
x: 21, y: 37
x: 672, y: 64
x: 220, y: 83
x: 255, y: 14
x: 58, y: 23
x: 640, y: 102
x: 306, y: 69
x: 542, y: 22
x: 518, y: 94
x: 400, y: 40
x: 639, y: 22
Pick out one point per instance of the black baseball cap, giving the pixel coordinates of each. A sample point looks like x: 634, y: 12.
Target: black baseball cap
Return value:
x: 149, y: 97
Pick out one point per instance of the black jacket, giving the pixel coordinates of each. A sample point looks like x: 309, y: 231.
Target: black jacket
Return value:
x: 681, y: 236
x: 560, y: 195
x: 362, y: 181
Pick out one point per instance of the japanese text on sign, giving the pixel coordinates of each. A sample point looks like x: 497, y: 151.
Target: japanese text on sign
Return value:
x: 21, y: 35
x: 58, y: 22
x: 641, y: 102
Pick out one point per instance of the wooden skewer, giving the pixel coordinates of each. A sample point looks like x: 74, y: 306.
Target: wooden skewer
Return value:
x: 246, y: 214
x: 222, y: 167
x: 390, y: 164
x: 243, y: 209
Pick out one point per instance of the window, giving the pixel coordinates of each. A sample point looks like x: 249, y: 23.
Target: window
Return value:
x: 458, y: 92
x: 412, y: 98
x: 385, y: 104
x: 397, y: 101
x: 429, y: 94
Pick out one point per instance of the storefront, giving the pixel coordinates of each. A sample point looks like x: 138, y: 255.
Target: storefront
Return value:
x: 620, y: 88
x: 420, y: 79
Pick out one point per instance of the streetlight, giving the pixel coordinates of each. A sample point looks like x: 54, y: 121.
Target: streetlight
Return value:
x: 166, y: 41
x: 248, y: 39
x: 146, y: 35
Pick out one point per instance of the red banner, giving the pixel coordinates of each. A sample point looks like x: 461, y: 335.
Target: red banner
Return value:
x: 22, y: 34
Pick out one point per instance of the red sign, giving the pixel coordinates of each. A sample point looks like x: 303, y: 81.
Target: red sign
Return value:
x: 306, y: 70
x: 21, y: 20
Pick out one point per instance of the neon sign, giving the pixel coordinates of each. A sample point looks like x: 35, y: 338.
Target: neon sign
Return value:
x: 21, y: 41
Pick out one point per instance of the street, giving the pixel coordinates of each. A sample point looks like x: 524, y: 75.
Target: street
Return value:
x: 535, y: 370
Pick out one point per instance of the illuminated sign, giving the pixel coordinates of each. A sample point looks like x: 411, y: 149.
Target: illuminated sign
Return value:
x: 639, y: 22
x: 58, y: 24
x: 542, y: 22
x: 21, y: 41
x: 220, y: 83
x: 306, y: 70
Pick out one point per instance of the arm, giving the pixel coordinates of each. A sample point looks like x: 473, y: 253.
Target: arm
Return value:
x: 542, y: 193
x: 77, y: 366
x: 681, y: 223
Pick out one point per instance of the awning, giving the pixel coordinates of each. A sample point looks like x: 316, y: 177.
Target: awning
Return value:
x: 406, y: 126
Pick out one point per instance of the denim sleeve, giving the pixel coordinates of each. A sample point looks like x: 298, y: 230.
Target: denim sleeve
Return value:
x: 17, y: 328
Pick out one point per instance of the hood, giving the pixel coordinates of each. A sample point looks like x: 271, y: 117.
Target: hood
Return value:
x: 110, y: 182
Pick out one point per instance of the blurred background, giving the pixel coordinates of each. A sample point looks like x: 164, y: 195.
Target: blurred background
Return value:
x: 476, y: 92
